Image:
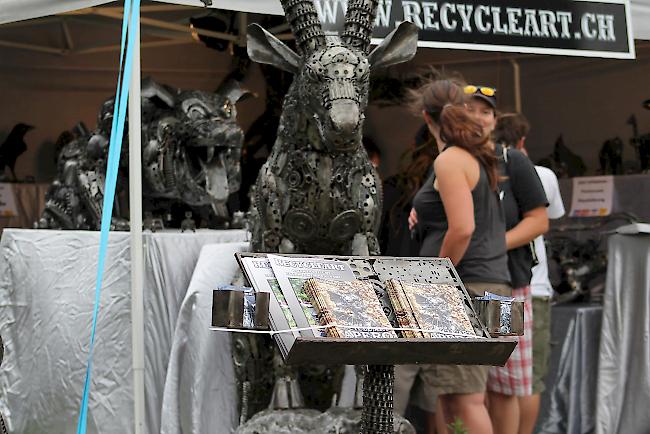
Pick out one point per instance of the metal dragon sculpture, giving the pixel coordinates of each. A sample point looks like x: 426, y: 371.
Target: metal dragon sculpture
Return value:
x: 318, y: 192
x: 191, y: 154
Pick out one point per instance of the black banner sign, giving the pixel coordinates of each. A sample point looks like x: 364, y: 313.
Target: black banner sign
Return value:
x: 564, y: 27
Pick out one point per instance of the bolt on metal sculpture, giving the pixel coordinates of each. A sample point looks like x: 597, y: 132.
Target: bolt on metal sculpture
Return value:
x: 191, y: 153
x: 318, y: 193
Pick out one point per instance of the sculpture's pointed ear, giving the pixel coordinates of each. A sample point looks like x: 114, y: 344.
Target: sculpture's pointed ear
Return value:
x: 157, y: 93
x: 399, y: 46
x: 232, y: 90
x: 263, y: 47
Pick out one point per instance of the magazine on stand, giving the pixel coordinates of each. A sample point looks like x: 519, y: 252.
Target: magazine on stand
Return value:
x: 260, y: 272
x: 292, y: 273
x: 403, y: 313
x: 351, y: 308
x: 435, y: 306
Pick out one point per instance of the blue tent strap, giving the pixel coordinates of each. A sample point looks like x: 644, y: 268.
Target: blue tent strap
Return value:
x: 131, y: 21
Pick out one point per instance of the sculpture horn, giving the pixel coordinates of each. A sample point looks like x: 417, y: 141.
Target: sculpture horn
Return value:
x: 359, y: 22
x: 305, y: 24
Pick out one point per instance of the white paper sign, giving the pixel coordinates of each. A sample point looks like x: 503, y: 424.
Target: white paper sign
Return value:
x: 7, y: 201
x: 592, y: 196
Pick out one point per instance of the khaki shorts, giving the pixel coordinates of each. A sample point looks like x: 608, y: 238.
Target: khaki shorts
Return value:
x: 410, y: 388
x: 454, y: 379
x: 541, y: 341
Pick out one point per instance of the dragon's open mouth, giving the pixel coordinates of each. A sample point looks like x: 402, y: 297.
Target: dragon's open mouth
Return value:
x: 206, y: 171
x: 209, y: 172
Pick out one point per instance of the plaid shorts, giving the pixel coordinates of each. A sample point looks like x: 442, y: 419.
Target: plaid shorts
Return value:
x: 516, y: 377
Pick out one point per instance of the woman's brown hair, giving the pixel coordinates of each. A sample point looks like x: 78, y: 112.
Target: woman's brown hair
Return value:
x: 415, y: 164
x: 443, y: 100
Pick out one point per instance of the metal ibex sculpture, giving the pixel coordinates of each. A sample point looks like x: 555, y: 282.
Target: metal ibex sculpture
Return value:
x: 318, y: 192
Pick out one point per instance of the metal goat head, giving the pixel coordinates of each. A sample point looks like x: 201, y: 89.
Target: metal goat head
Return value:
x: 332, y: 73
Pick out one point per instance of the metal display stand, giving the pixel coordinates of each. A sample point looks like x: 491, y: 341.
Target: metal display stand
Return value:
x: 382, y: 354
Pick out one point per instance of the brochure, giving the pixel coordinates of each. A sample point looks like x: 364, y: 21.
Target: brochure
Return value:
x: 292, y: 273
x: 260, y: 272
x: 351, y: 308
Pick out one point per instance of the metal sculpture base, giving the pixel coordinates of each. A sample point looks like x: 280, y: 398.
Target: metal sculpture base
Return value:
x: 377, y: 413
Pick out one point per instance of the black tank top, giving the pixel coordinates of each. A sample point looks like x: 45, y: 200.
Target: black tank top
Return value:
x: 486, y: 258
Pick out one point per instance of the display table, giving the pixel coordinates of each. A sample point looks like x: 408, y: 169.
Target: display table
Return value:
x: 200, y: 391
x: 47, y: 281
x: 624, y: 365
x: 568, y: 404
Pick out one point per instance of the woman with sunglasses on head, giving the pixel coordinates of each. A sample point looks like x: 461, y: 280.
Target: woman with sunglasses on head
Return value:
x: 457, y: 214
x: 524, y: 203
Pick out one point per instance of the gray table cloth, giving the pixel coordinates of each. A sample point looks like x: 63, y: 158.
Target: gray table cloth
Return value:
x: 47, y: 281
x: 573, y: 386
x: 623, y: 397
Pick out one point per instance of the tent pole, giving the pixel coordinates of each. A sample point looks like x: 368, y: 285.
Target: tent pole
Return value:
x: 137, y: 255
x: 517, y: 83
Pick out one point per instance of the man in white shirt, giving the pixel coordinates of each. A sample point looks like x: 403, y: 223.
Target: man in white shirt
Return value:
x: 542, y: 292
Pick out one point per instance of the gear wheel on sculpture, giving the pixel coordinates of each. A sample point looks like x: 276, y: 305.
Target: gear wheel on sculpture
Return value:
x: 300, y: 225
x: 271, y: 239
x: 345, y: 225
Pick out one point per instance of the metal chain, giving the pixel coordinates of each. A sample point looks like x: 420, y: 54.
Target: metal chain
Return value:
x: 377, y: 413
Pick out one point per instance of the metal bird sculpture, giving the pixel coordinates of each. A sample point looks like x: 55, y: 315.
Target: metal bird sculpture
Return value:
x: 13, y: 146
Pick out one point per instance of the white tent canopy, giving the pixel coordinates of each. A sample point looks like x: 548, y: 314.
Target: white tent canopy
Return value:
x: 16, y: 10
x: 641, y: 19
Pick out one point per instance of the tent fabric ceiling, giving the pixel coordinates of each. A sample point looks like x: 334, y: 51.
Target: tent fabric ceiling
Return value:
x: 272, y: 7
x: 641, y: 19
x: 17, y: 10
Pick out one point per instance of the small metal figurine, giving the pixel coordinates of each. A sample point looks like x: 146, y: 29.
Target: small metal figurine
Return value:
x: 188, y: 224
x: 610, y: 157
x: 151, y: 223
x: 641, y: 143
x: 563, y: 161
x: 12, y: 148
x: 238, y: 220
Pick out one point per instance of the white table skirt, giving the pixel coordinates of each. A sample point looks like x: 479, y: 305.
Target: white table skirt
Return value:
x: 200, y: 390
x: 47, y: 281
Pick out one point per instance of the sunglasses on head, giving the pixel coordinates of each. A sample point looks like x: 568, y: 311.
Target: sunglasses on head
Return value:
x: 487, y: 91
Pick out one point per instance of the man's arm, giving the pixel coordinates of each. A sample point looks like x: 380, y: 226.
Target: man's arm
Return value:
x: 533, y: 224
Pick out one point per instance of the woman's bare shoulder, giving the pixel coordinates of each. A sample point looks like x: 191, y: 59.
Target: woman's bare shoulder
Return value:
x: 454, y: 156
x: 456, y: 163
